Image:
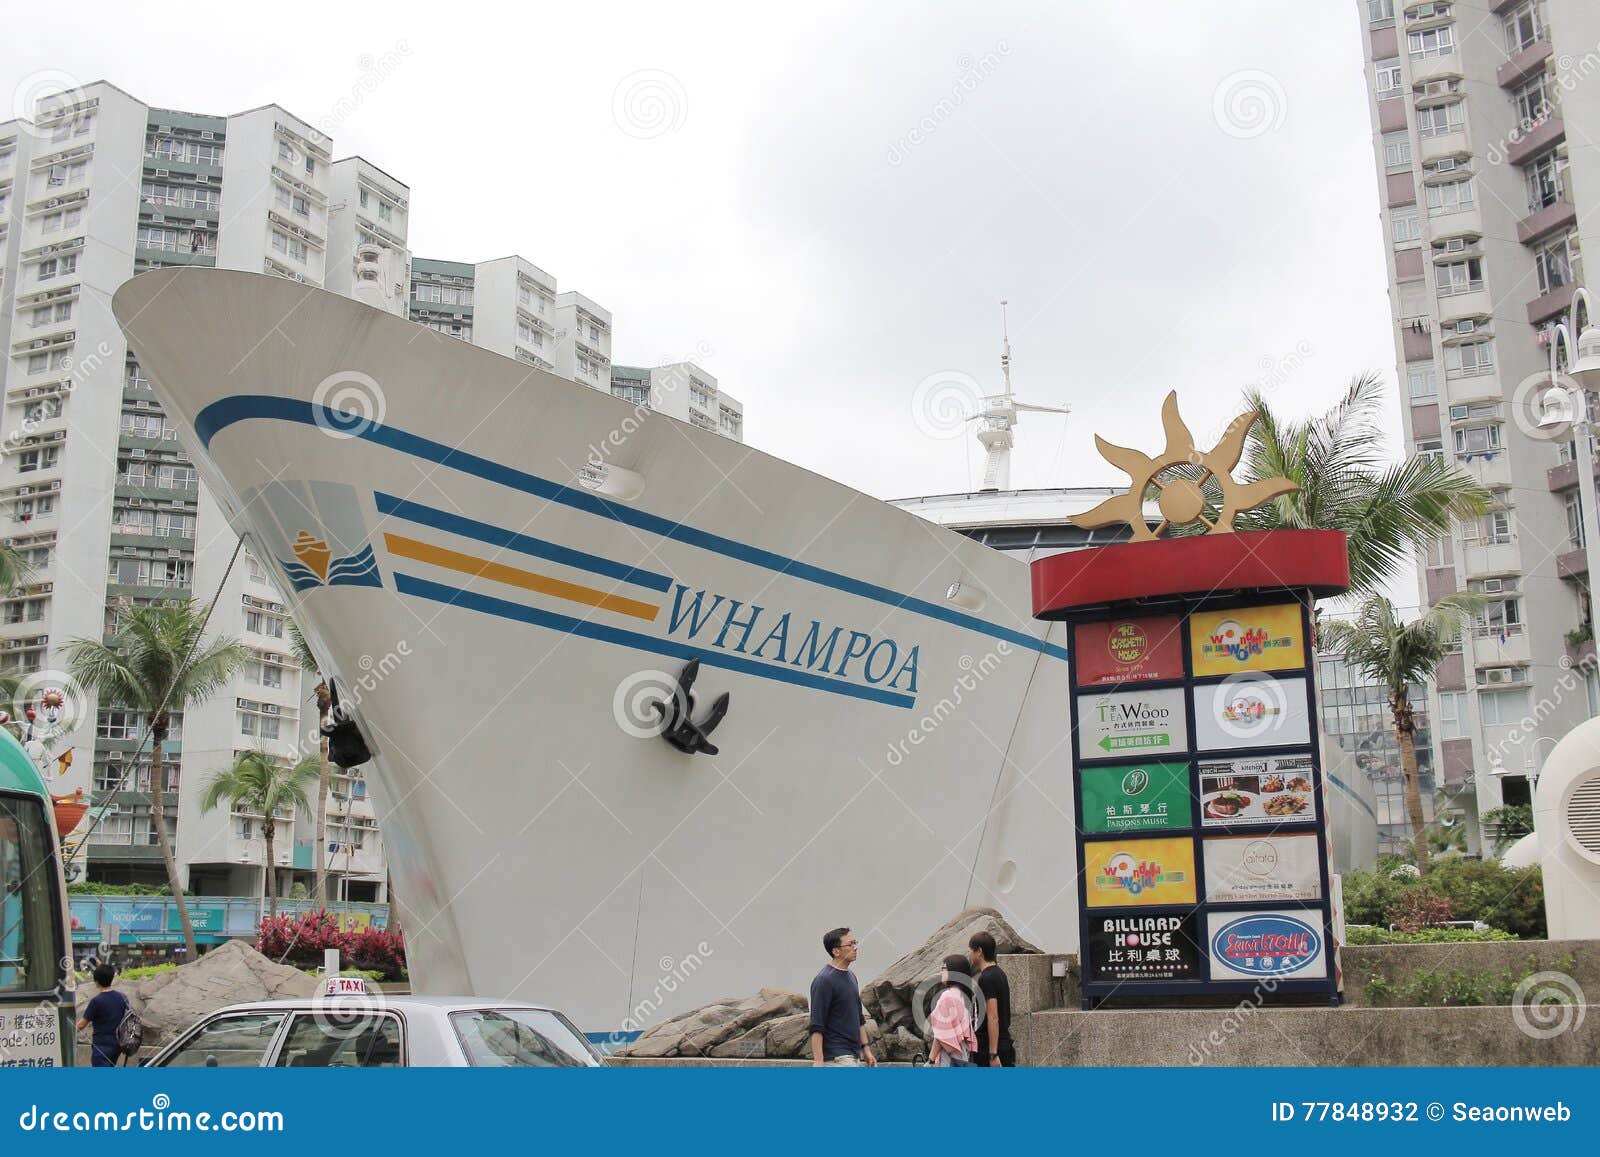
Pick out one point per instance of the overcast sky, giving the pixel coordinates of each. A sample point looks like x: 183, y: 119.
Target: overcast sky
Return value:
x: 825, y: 204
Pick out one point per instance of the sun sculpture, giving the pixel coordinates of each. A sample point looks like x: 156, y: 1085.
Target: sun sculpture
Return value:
x: 1179, y: 476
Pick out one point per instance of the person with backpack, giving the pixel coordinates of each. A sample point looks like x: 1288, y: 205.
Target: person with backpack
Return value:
x: 954, y: 1042
x: 118, y: 1031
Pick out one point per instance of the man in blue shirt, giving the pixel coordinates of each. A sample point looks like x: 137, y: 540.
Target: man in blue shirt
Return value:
x: 838, y: 1022
x: 105, y: 1013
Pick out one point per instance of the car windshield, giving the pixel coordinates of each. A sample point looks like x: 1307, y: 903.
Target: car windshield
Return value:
x: 521, y: 1038
x: 29, y: 927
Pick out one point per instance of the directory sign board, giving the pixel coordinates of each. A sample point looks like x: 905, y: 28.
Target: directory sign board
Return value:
x: 1141, y: 873
x: 1132, y: 723
x: 1269, y: 638
x: 1144, y: 797
x: 1262, y: 869
x: 1250, y: 712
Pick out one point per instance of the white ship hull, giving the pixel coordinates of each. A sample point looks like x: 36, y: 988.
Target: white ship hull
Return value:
x: 539, y: 847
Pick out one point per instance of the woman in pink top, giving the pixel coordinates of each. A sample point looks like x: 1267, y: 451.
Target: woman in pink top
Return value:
x: 951, y: 1021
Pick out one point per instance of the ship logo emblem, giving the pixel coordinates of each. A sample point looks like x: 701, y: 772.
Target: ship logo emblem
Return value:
x: 316, y: 566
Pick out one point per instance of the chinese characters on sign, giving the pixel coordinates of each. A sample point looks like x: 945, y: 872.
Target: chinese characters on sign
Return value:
x: 1129, y: 651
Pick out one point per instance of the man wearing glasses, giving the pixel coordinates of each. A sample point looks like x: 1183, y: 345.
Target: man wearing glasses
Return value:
x: 838, y: 1022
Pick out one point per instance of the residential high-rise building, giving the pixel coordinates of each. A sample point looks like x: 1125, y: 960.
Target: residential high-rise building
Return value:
x: 684, y: 391
x: 95, y: 491
x: 1481, y: 116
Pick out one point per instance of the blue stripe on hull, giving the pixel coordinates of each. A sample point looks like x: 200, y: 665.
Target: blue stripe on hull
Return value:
x: 470, y: 600
x: 225, y: 412
x: 523, y: 543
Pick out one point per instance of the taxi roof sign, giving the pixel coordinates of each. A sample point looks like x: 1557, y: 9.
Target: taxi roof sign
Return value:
x: 345, y: 986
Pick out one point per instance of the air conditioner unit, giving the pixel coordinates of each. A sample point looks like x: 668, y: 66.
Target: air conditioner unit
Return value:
x: 173, y: 553
x: 1457, y: 413
x: 1445, y: 165
x: 1455, y: 245
x: 132, y: 551
x: 1493, y: 586
x: 136, y: 453
x: 1500, y: 675
x: 158, y: 219
x: 24, y: 491
x: 163, y: 172
x: 1466, y: 326
x: 135, y: 502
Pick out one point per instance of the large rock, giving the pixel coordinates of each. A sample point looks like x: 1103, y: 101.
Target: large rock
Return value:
x: 891, y: 997
x: 773, y: 1024
x: 232, y: 973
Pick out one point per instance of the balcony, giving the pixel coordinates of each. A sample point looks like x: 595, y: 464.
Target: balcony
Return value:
x: 1544, y: 220
x: 1547, y: 305
x: 1545, y: 135
x: 1564, y: 476
x: 1573, y: 564
x: 1523, y: 64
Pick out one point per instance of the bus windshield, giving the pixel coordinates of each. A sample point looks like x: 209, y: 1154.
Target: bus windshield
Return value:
x: 28, y: 928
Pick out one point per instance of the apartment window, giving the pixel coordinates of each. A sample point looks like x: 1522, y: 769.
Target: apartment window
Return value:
x: 261, y: 623
x: 1493, y: 529
x: 1452, y: 715
x: 1397, y: 150
x: 1405, y: 225
x: 1441, y: 552
x: 42, y: 410
x: 258, y: 726
x: 1379, y: 11
x: 594, y: 333
x: 286, y: 152
x: 1574, y: 521
x: 1534, y: 100
x: 1546, y: 181
x: 41, y: 459
x: 529, y: 336
x: 385, y: 213
x: 1430, y: 448
x: 57, y: 267
x: 1422, y: 382
x: 1390, y: 79
x: 1469, y: 358
x: 1501, y: 617
x: 633, y: 395
x: 1477, y: 439
x: 1431, y: 42
x: 1556, y: 263
x: 27, y: 509
x: 1523, y: 26
x: 293, y: 246
x: 1459, y: 277
x: 1502, y: 708
x: 1441, y: 119
x: 363, y: 198
x: 60, y: 176
x: 1450, y: 197
x: 53, y: 360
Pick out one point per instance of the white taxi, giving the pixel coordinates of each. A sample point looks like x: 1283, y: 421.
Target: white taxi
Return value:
x: 345, y: 1026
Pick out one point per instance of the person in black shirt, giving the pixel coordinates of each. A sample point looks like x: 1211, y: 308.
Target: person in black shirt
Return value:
x: 104, y: 1013
x: 838, y: 1022
x: 995, y: 1049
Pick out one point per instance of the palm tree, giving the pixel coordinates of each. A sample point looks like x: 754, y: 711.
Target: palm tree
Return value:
x: 158, y: 664
x: 308, y: 662
x: 258, y: 783
x: 1388, y: 510
x: 14, y: 572
x: 1397, y: 654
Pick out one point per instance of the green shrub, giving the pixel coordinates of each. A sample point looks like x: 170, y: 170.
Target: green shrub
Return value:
x: 93, y: 888
x: 1483, y: 890
x: 1367, y: 936
x: 145, y: 970
x: 1432, y: 988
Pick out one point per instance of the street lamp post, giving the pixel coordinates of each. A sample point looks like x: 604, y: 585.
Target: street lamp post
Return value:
x: 1584, y: 353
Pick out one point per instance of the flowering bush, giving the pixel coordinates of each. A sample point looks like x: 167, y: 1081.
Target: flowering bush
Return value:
x: 1419, y: 909
x: 302, y: 940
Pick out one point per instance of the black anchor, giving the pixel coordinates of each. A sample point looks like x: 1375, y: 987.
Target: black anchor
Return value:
x: 678, y: 728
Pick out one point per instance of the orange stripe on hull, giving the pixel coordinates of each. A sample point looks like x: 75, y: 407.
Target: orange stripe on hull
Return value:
x: 514, y: 576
